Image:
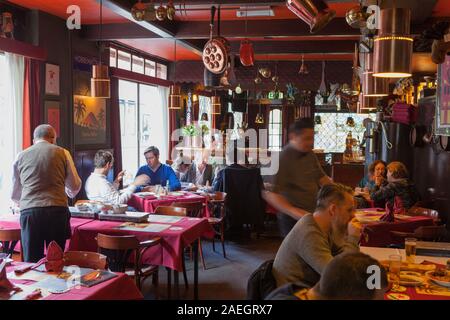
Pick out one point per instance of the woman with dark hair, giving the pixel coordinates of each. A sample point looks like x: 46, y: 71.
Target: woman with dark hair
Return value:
x: 375, y: 177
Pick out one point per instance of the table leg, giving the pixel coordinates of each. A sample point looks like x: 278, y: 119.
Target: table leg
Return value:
x: 195, y: 249
x: 176, y: 282
x: 169, y: 283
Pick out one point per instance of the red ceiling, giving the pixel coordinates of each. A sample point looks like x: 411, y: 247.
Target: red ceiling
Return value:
x: 90, y: 9
x: 164, y: 48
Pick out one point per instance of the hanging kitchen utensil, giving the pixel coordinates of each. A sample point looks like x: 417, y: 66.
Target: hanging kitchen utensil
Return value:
x: 323, y: 87
x: 171, y: 10
x: 356, y: 17
x: 138, y: 11
x: 265, y: 72
x: 314, y: 12
x: 161, y: 12
x: 215, y: 52
x: 303, y: 68
x: 246, y: 52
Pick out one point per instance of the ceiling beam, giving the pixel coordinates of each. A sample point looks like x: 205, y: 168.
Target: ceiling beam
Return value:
x: 266, y: 29
x: 114, y: 31
x: 165, y: 29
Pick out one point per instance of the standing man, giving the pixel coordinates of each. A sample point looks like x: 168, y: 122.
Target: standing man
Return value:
x: 299, y: 177
x: 44, y: 175
x: 158, y: 172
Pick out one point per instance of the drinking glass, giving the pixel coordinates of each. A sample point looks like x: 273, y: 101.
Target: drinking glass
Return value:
x: 410, y: 249
x: 395, y: 263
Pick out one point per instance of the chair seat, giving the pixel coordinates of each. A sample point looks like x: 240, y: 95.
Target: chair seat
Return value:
x: 145, y: 270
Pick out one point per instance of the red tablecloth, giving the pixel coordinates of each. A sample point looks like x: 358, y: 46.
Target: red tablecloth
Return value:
x: 150, y: 203
x: 13, y: 222
x: 120, y: 288
x: 168, y: 254
x: 379, y: 234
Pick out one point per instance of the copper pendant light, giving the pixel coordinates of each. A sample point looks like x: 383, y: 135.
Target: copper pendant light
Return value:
x: 373, y: 86
x: 100, y: 83
x: 174, y: 89
x: 393, y: 45
x: 259, y: 117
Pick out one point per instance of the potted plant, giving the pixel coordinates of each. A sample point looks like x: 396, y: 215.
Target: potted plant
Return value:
x: 192, y: 134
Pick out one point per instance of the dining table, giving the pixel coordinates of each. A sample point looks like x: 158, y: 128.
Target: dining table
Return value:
x: 176, y: 233
x: 376, y: 233
x: 148, y: 202
x: 121, y: 287
x: 429, y: 291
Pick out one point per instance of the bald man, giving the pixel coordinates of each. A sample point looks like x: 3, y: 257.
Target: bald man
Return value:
x: 44, y: 175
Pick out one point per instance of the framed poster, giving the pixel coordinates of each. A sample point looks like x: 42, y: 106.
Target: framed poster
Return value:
x: 90, y: 121
x: 52, y: 79
x: 52, y: 115
x: 442, y: 114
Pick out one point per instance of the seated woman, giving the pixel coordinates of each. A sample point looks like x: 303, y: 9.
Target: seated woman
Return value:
x: 376, y: 176
x: 398, y: 185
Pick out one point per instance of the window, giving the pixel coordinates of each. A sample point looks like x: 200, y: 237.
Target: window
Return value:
x: 143, y: 123
x: 331, y: 130
x: 112, y: 57
x: 11, y: 125
x: 275, y: 130
x: 161, y: 71
x: 150, y: 68
x: 124, y: 60
x: 138, y: 65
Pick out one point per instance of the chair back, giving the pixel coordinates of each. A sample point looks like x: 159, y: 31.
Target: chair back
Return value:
x: 117, y: 250
x: 261, y: 282
x: 193, y: 209
x: 431, y: 233
x: 85, y: 259
x: 218, y: 196
x: 420, y: 211
x: 9, y: 239
x: 171, y: 211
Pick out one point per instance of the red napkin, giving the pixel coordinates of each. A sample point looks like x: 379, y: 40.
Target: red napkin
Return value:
x: 55, y: 262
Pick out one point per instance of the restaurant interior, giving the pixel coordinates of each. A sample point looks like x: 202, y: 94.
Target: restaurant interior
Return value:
x: 224, y: 150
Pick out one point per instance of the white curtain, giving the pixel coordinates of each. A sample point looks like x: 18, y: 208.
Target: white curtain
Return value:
x: 164, y: 144
x: 11, y: 121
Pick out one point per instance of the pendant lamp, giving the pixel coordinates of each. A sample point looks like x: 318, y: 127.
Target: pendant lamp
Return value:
x: 100, y: 83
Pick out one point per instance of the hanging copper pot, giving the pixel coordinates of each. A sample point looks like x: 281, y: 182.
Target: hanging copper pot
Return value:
x: 138, y: 11
x: 161, y: 13
x: 246, y: 53
x: 215, y: 52
x: 314, y: 12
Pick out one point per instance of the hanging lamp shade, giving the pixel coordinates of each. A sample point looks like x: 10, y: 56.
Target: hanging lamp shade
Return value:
x: 216, y: 105
x: 373, y: 86
x: 175, y: 97
x: 100, y: 83
x: 393, y: 45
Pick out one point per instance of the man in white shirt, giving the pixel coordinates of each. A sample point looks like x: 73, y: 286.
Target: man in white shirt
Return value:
x: 44, y: 175
x: 98, y: 188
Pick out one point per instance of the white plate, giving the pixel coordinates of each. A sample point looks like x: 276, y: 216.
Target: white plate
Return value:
x: 439, y: 282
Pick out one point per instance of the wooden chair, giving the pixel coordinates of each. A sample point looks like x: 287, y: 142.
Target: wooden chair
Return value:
x: 8, y: 241
x: 193, y: 209
x: 177, y: 212
x: 118, y: 249
x: 217, y: 202
x: 420, y: 211
x: 85, y: 259
x: 424, y: 233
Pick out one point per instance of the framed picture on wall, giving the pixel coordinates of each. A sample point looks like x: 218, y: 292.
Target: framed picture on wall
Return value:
x: 442, y: 115
x: 90, y: 119
x: 52, y: 79
x: 52, y: 115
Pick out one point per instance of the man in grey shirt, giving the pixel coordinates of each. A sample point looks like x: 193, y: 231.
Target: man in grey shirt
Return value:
x: 44, y: 175
x: 318, y: 237
x: 299, y: 177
